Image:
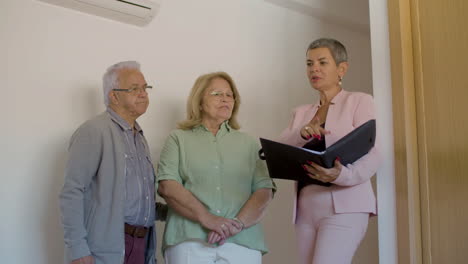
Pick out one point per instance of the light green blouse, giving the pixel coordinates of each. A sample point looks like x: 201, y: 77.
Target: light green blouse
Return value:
x: 222, y: 171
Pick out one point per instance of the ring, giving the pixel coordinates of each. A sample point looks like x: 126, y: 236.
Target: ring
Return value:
x: 223, y: 225
x: 306, y: 128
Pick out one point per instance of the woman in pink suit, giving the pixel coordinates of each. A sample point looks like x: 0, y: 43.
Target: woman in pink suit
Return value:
x: 330, y: 222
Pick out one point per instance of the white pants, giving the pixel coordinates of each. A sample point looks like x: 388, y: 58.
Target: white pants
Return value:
x: 193, y: 252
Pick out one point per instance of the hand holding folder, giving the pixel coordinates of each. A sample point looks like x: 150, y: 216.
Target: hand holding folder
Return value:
x: 285, y: 161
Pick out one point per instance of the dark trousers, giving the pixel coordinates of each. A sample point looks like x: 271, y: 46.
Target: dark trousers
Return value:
x: 135, y: 249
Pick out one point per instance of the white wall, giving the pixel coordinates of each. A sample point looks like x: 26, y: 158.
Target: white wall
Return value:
x: 51, y: 82
x: 381, y: 73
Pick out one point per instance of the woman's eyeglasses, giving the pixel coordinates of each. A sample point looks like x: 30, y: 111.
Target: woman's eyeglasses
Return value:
x: 219, y: 96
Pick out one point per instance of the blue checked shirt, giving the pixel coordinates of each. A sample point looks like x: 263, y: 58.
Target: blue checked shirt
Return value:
x: 139, y: 202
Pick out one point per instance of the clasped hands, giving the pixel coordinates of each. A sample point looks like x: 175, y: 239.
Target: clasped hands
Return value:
x: 221, y: 228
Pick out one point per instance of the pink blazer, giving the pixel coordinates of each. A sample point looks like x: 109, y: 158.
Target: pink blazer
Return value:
x: 352, y: 190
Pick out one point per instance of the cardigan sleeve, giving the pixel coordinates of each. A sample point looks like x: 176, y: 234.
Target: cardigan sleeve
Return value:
x: 84, y: 157
x: 365, y: 167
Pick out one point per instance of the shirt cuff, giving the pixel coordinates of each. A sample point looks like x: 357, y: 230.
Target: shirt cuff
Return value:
x: 78, y: 251
x: 168, y: 177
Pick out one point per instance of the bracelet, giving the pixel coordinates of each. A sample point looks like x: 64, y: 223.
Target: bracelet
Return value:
x: 240, y: 222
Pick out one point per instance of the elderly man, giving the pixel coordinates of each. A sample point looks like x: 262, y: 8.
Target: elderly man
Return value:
x: 108, y: 200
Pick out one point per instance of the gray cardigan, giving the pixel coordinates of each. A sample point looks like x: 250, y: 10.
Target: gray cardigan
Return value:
x: 92, y: 198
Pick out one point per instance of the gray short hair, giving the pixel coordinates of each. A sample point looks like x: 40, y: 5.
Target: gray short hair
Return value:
x: 110, y: 79
x: 337, y: 49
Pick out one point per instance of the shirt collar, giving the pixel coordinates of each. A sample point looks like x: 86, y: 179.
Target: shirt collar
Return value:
x: 339, y: 96
x: 223, y: 127
x: 337, y: 99
x: 121, y: 122
x: 227, y: 126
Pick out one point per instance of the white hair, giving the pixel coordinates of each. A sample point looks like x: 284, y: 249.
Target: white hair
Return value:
x: 110, y: 79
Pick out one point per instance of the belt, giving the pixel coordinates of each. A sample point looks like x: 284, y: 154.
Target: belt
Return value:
x: 136, y: 231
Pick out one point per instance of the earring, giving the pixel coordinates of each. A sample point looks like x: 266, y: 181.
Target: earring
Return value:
x: 340, y: 79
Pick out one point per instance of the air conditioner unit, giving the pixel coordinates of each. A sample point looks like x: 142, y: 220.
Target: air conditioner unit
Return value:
x: 136, y: 12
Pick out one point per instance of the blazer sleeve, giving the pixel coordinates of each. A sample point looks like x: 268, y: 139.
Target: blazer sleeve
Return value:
x: 364, y: 168
x: 84, y: 157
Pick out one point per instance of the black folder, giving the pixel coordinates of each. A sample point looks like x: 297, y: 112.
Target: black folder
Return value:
x: 285, y: 161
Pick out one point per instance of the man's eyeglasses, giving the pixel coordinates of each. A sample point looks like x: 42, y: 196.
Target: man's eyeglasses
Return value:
x: 135, y: 90
x: 219, y: 95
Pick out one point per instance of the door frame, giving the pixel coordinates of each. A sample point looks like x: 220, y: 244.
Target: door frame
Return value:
x: 394, y: 36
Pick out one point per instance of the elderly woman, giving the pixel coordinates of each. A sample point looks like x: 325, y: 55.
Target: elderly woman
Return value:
x: 330, y: 222
x: 215, y: 185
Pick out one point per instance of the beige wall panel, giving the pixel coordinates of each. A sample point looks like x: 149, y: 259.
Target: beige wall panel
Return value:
x: 405, y: 140
x: 443, y: 119
x: 430, y: 92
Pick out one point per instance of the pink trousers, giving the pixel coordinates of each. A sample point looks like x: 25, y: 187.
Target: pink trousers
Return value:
x: 324, y: 237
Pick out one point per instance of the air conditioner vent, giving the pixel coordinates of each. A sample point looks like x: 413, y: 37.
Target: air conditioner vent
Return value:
x: 137, y: 12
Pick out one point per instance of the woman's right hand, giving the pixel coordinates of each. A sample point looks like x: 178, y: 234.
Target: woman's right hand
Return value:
x: 214, y: 237
x: 313, y: 129
x: 222, y: 226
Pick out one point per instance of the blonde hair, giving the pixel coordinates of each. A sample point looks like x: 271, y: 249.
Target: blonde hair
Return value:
x: 194, y: 113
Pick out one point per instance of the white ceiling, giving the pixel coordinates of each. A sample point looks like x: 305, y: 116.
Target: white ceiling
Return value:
x: 353, y: 14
